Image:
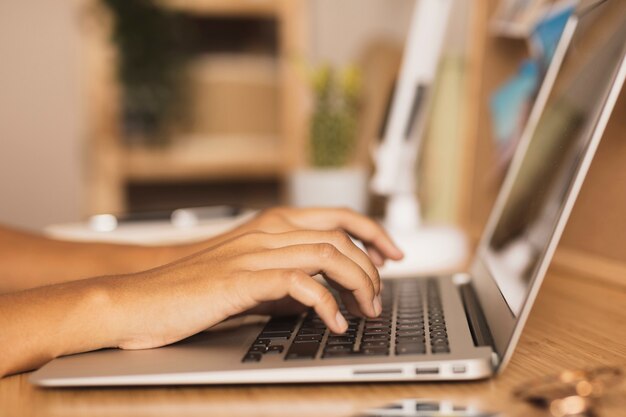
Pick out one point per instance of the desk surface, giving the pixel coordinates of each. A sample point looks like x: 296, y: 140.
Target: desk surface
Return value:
x: 576, y: 322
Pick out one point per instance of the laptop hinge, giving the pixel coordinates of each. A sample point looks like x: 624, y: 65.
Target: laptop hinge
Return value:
x: 475, y: 317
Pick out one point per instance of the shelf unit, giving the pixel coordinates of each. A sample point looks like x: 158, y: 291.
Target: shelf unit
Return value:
x: 113, y: 165
x: 593, y: 240
x: 251, y: 158
x: 226, y: 7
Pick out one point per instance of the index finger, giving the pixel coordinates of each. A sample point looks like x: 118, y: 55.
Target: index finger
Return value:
x: 359, y: 226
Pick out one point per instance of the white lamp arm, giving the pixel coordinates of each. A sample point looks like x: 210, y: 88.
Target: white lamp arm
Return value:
x: 397, y: 154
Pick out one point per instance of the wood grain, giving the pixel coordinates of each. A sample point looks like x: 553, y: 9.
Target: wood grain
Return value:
x: 577, y: 322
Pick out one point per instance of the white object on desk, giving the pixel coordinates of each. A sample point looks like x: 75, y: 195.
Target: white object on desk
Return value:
x: 158, y: 232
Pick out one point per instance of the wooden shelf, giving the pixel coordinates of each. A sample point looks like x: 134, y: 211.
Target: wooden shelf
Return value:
x: 267, y: 152
x: 205, y: 159
x: 268, y: 8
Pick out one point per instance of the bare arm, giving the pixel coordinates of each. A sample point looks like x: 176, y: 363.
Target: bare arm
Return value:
x: 29, y: 260
x: 44, y: 323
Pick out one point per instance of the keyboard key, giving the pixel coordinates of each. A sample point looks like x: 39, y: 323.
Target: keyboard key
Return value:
x: 385, y: 326
x: 276, y: 331
x: 414, y: 332
x: 369, y: 332
x: 374, y: 351
x: 411, y: 320
x: 410, y: 349
x: 377, y: 320
x: 314, y: 338
x: 302, y: 351
x: 379, y: 344
x: 374, y: 337
x: 258, y: 349
x: 410, y: 326
x: 275, y: 335
x: 410, y: 339
x: 340, y: 340
x: 261, y: 343
x: 439, y: 341
x: 414, y: 309
x: 411, y: 316
x: 339, y: 348
x: 275, y: 349
x: 309, y: 331
x: 441, y: 349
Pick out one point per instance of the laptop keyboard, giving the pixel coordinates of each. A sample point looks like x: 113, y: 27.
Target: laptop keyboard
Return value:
x: 412, y: 322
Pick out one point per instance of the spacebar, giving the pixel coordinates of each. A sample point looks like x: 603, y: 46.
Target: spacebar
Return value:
x: 302, y: 350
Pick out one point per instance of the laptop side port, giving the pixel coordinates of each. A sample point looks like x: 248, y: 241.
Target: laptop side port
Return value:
x: 377, y: 372
x: 427, y: 371
x: 459, y: 369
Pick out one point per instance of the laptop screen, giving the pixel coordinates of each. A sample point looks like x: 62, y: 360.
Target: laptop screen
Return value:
x: 553, y: 154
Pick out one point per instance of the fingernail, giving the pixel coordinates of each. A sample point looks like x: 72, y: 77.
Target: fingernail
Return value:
x: 341, y: 322
x: 378, y: 306
x: 399, y: 252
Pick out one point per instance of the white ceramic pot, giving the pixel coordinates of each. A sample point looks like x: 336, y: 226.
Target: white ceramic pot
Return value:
x: 332, y: 187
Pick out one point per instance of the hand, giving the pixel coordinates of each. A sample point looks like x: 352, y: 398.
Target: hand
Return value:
x: 253, y: 272
x: 377, y: 242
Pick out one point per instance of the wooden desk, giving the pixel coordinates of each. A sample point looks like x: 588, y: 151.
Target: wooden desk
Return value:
x: 577, y: 322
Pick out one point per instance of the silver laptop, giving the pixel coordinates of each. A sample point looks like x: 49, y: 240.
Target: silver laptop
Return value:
x: 459, y: 327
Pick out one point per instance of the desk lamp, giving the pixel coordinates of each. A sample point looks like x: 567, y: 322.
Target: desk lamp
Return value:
x: 427, y: 249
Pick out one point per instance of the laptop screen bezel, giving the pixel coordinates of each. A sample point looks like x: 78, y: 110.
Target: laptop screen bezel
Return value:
x: 504, y: 325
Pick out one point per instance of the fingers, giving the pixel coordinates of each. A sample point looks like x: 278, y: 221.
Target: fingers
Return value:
x: 351, y: 304
x: 337, y: 238
x: 377, y: 258
x: 320, y: 258
x: 271, y: 285
x: 368, y: 231
x: 358, y: 225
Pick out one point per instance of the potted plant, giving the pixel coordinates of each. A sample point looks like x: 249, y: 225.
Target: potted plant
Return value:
x: 333, y: 179
x: 151, y: 57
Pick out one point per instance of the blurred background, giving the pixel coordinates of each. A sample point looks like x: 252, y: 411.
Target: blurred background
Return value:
x: 125, y: 106
x: 120, y: 106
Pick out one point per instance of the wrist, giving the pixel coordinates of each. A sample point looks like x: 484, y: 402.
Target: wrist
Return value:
x: 118, y: 302
x: 86, y: 301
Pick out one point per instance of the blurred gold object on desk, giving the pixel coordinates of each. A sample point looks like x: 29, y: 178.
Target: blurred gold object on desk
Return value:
x: 577, y: 392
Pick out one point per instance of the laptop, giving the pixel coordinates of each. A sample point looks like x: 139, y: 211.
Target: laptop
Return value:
x: 462, y: 326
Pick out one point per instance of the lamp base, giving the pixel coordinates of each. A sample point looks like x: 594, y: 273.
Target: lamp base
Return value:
x: 427, y: 250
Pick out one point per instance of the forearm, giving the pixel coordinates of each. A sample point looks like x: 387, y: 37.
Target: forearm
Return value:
x: 44, y: 323
x: 29, y: 260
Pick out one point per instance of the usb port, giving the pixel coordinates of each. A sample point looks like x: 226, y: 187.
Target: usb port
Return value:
x: 459, y: 369
x: 426, y: 371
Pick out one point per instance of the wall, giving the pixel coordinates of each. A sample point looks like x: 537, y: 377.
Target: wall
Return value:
x: 340, y: 30
x: 40, y: 120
